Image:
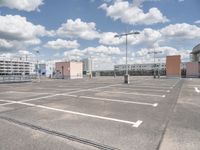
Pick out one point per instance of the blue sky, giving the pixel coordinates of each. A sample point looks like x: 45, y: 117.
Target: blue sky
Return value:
x: 76, y: 29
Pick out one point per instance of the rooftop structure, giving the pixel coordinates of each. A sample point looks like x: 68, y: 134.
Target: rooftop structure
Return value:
x: 69, y: 70
x: 196, y: 53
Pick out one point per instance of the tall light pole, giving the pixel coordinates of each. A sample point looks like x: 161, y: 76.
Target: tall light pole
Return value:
x: 90, y: 67
x: 154, y: 58
x: 37, y: 53
x: 126, y: 76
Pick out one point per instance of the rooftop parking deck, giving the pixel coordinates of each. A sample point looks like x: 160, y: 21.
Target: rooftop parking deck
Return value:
x: 100, y: 113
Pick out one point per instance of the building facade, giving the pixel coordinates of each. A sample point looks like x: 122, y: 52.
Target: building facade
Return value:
x: 193, y: 68
x: 42, y: 69
x: 13, y: 67
x: 173, y: 66
x: 87, y: 64
x: 69, y: 70
x: 140, y: 67
x: 145, y: 69
x: 195, y: 54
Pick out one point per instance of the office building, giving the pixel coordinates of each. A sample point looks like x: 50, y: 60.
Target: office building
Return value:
x: 193, y: 68
x: 195, y: 54
x: 41, y: 69
x: 87, y: 65
x: 140, y: 67
x: 14, y: 67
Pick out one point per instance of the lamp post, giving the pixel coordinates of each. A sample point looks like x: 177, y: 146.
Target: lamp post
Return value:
x: 126, y: 76
x: 90, y: 67
x: 37, y: 53
x: 154, y: 68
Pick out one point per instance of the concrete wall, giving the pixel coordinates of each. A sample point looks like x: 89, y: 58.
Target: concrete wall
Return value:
x: 63, y: 68
x: 173, y: 66
x: 76, y: 70
x: 70, y: 70
x: 193, y: 69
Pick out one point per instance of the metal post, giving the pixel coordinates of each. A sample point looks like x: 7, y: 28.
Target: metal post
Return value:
x: 90, y: 67
x: 126, y: 56
x: 154, y: 70
x: 37, y: 52
x: 126, y: 76
x: 159, y: 68
x: 154, y: 57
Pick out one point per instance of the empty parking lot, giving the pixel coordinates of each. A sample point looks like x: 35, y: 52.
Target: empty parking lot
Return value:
x: 101, y: 113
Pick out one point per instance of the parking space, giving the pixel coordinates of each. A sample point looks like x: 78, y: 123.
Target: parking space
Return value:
x: 102, y: 112
x: 183, y: 130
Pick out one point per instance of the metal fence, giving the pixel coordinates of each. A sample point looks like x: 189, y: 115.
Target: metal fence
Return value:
x: 15, y: 78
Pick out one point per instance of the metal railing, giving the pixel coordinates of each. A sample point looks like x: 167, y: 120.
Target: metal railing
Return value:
x: 15, y: 78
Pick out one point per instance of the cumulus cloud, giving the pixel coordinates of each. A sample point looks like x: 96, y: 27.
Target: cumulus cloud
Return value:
x: 101, y: 56
x: 60, y: 44
x: 181, y: 31
x: 146, y: 37
x: 197, y: 22
x: 164, y: 51
x: 78, y: 28
x: 17, y: 32
x: 108, y: 38
x: 18, y: 28
x: 131, y: 13
x: 5, y: 44
x: 107, y: 50
x: 99, y: 50
x: 25, y: 5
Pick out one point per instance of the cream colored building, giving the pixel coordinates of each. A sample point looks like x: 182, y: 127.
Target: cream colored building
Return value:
x: 69, y: 70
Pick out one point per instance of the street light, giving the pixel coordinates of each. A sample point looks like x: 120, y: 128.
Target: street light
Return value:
x: 154, y: 68
x: 37, y: 53
x: 90, y: 61
x: 126, y: 76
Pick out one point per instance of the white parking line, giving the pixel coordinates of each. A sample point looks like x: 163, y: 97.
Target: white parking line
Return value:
x: 114, y: 100
x: 38, y: 93
x: 147, y: 86
x: 194, y: 85
x: 7, y: 101
x: 150, y: 90
x: 91, y: 89
x: 140, y: 94
x: 32, y: 99
x: 44, y: 97
x: 134, y: 124
x: 58, y: 89
x: 197, y: 90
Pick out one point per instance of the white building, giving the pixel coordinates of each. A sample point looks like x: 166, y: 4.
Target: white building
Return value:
x: 196, y: 54
x: 140, y: 67
x: 50, y: 68
x: 14, y: 67
x: 87, y: 65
